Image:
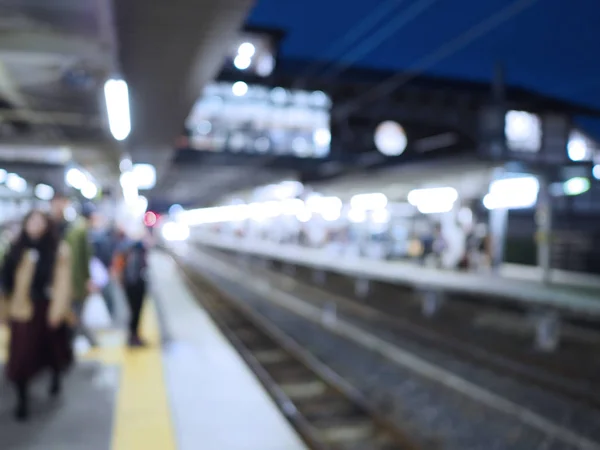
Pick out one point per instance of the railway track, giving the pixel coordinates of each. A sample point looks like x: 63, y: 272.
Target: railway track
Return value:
x: 569, y: 426
x: 327, y: 412
x: 474, y: 352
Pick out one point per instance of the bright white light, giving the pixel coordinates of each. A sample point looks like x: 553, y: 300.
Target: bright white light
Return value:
x: 292, y: 207
x: 390, y: 138
x: 441, y: 194
x: 125, y: 165
x: 331, y: 215
x: 129, y: 186
x: 247, y: 49
x: 173, y: 232
x: 576, y: 186
x: 76, y: 178
x: 318, y: 204
x: 304, y: 216
x: 89, y: 190
x: 319, y: 99
x: 369, y: 201
x: 263, y: 211
x: 279, y: 95
x: 433, y: 200
x: 512, y: 193
x: 242, y: 62
x: 144, y: 175
x: 357, y: 215
x: 596, y: 171
x: 265, y: 65
x: 175, y: 209
x: 16, y: 183
x: 3, y: 174
x: 44, y: 192
x: 117, y: 105
x: 239, y: 88
x: 283, y: 190
x: 141, y: 205
x: 232, y: 213
x: 435, y: 207
x: 523, y: 131
x: 381, y: 216
x: 577, y: 148
x: 322, y: 137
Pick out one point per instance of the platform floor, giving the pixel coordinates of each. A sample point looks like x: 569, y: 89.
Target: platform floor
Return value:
x: 189, y: 392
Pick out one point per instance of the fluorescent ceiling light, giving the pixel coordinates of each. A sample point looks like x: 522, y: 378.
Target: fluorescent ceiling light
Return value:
x: 44, y: 192
x: 390, y: 138
x: 144, y: 175
x: 369, y: 201
x: 242, y: 62
x: 116, y: 94
x: 247, y: 50
x: 16, y: 183
x: 89, y: 190
x: 76, y: 178
x: 239, y: 89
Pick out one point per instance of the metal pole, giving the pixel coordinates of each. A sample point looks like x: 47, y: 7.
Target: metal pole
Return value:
x: 544, y: 229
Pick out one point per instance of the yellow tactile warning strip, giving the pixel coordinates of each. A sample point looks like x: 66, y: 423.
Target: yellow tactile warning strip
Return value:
x: 142, y: 416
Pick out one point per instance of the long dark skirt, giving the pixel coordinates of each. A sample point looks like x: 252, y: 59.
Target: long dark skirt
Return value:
x: 34, y: 346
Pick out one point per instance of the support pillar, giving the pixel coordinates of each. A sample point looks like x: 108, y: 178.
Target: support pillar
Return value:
x: 319, y: 277
x: 362, y: 287
x: 543, y: 218
x: 289, y: 269
x: 431, y: 301
x: 547, y: 331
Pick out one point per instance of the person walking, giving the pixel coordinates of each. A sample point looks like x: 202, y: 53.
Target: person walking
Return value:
x: 58, y: 205
x: 36, y: 281
x: 77, y: 237
x: 131, y: 267
x: 105, y: 243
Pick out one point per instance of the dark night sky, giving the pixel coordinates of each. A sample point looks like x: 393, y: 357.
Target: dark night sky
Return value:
x: 552, y: 46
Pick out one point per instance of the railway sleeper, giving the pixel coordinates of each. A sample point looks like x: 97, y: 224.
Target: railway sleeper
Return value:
x: 339, y: 430
x: 303, y: 390
x: 275, y: 356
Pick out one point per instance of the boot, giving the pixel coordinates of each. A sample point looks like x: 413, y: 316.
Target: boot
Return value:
x: 55, y: 385
x: 22, y: 409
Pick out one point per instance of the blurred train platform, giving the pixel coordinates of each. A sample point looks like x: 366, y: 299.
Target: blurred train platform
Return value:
x: 187, y: 389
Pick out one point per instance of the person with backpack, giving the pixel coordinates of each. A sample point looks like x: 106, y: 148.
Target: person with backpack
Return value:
x: 130, y: 266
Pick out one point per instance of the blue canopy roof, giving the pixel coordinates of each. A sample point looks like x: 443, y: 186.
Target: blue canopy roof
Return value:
x: 551, y: 46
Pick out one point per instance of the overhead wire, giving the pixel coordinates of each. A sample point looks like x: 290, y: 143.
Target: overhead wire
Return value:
x: 353, y: 35
x: 458, y: 43
x: 377, y: 38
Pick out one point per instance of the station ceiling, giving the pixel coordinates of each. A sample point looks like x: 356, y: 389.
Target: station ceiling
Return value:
x: 55, y: 56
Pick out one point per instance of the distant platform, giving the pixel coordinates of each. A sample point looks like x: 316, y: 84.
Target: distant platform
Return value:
x: 575, y: 294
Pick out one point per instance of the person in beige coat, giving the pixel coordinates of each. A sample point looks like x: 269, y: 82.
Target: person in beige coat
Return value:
x: 36, y: 284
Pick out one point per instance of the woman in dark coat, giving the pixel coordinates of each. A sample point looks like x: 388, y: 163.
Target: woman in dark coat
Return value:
x: 36, y: 281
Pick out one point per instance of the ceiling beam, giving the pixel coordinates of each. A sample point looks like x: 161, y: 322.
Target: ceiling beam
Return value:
x: 47, y: 42
x: 52, y: 117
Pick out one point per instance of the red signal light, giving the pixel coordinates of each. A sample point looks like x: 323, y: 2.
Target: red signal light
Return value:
x: 150, y: 219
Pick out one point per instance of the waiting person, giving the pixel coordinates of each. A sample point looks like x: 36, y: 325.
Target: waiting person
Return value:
x: 130, y: 265
x: 81, y: 250
x: 105, y: 243
x: 36, y: 280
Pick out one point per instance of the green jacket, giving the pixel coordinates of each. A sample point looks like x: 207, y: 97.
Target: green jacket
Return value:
x: 81, y: 254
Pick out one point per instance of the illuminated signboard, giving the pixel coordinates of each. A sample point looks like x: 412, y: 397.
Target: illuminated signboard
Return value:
x: 239, y: 118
